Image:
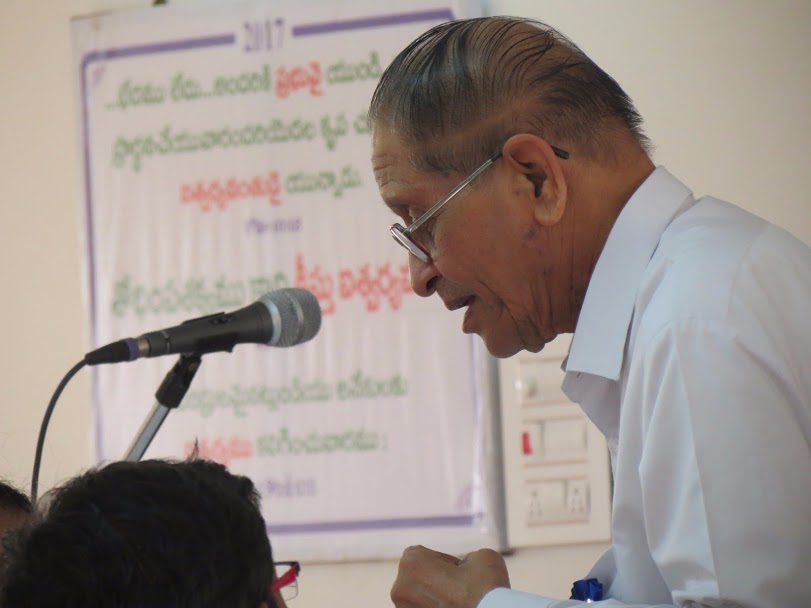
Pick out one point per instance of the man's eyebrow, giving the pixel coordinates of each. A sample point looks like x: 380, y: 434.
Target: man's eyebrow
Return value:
x: 397, y: 205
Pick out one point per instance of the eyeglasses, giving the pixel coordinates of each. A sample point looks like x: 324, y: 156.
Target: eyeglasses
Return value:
x: 287, y: 582
x: 402, y: 234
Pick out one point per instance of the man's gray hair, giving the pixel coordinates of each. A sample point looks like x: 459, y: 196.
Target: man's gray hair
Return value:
x: 460, y: 90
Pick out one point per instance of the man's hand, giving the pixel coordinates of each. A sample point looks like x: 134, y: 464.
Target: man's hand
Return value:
x: 429, y: 579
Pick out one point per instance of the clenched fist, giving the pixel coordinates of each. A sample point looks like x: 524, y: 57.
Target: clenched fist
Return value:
x: 429, y: 579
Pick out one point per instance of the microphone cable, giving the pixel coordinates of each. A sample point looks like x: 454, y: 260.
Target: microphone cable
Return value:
x: 44, y: 427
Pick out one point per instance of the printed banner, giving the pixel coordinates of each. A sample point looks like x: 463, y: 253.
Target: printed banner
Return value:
x: 226, y: 155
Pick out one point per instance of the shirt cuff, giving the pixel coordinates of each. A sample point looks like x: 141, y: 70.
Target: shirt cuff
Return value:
x: 510, y: 598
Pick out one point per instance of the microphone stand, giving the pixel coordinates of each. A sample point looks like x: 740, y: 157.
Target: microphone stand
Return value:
x: 168, y: 396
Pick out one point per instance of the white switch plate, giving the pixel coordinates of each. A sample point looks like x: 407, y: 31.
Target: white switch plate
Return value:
x: 560, y: 492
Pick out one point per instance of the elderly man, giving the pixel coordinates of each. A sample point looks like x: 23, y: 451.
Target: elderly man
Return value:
x: 151, y: 534
x: 527, y: 196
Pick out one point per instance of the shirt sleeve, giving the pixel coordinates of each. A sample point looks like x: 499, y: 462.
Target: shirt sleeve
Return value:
x: 725, y: 470
x: 510, y: 598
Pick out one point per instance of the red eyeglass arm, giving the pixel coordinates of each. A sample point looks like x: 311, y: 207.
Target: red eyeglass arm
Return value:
x: 285, y: 579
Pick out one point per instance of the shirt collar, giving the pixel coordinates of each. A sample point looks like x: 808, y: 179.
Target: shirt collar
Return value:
x: 598, y: 343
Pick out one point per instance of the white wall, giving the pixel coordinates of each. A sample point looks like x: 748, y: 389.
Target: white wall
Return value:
x: 724, y: 87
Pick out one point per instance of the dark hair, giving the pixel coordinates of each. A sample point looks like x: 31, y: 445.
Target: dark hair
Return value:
x: 460, y: 90
x: 155, y: 534
x: 12, y: 498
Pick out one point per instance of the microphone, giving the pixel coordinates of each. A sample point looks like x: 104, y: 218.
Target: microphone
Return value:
x: 284, y: 317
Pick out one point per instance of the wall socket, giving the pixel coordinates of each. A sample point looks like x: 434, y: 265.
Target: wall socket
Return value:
x: 556, y: 501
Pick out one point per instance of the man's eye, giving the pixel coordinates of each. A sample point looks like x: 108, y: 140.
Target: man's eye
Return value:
x: 425, y: 233
x: 428, y: 225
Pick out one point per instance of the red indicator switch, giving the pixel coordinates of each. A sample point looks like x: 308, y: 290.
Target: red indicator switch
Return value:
x: 526, y: 443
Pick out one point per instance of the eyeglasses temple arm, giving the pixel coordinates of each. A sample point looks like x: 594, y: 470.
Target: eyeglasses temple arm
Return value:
x: 428, y: 214
x: 285, y: 579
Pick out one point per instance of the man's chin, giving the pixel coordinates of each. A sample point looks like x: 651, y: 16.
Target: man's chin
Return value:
x: 501, y: 349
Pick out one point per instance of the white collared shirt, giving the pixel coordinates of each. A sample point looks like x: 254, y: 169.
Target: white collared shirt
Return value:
x: 692, y: 354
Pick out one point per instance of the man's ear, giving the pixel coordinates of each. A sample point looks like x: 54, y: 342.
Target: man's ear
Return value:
x: 540, y: 174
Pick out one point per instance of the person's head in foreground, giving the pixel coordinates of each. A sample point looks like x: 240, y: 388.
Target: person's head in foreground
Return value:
x: 555, y: 150
x: 151, y: 534
x: 15, y: 507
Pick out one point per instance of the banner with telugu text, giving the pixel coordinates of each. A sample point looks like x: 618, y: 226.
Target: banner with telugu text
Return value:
x: 226, y: 154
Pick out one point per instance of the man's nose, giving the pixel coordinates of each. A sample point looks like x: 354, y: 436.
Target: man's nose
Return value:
x: 424, y: 276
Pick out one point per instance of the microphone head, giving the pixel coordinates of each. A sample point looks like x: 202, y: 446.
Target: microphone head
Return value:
x: 296, y: 315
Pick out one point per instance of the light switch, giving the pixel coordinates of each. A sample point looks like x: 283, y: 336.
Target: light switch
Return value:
x: 565, y: 440
x: 532, y: 441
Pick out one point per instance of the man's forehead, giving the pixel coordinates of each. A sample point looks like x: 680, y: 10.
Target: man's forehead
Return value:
x: 391, y: 162
x: 388, y: 148
x: 399, y: 180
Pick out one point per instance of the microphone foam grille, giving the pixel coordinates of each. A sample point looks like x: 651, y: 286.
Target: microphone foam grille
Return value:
x: 299, y: 312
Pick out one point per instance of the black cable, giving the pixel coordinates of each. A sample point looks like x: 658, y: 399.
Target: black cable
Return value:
x: 44, y: 427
